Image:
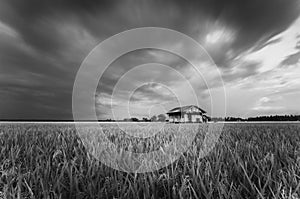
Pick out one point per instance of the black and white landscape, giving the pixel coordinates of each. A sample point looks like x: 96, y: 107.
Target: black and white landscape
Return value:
x: 150, y: 99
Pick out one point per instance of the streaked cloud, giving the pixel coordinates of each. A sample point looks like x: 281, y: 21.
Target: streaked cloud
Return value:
x: 291, y: 60
x: 255, y: 44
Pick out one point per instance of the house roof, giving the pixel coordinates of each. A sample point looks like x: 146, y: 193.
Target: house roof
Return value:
x: 183, y: 109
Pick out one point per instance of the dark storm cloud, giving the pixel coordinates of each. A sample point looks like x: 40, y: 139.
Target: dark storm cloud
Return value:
x: 243, y: 70
x: 260, y: 20
x: 294, y: 58
x: 36, y: 20
x: 136, y: 58
x: 254, y: 20
x: 270, y: 42
x: 291, y: 59
x: 21, y: 103
x: 38, y: 68
x: 152, y: 94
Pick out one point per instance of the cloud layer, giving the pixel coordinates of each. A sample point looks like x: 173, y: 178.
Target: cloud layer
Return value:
x: 42, y: 44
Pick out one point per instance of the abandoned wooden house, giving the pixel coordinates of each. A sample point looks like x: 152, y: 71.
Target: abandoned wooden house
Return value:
x: 187, y: 114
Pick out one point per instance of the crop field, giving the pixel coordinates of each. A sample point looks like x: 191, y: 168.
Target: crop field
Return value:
x: 249, y: 160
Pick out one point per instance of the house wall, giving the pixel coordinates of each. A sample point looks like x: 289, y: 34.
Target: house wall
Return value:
x: 190, y: 115
x: 175, y: 118
x: 187, y: 117
x: 197, y: 118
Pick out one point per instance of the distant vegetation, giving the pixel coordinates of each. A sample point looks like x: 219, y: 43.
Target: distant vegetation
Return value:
x: 158, y: 118
x: 276, y: 118
x: 259, y: 118
x: 163, y: 118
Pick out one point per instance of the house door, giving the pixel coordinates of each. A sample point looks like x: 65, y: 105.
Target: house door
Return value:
x: 189, y: 118
x: 186, y: 118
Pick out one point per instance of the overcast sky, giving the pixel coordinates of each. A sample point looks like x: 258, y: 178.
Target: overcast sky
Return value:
x: 254, y: 43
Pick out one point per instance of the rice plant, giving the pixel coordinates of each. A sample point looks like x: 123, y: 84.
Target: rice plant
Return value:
x: 248, y: 161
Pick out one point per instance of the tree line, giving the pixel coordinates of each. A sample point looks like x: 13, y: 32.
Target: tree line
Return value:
x: 259, y: 118
x: 163, y: 118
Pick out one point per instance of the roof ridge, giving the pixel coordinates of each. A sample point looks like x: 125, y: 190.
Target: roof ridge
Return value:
x: 182, y: 108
